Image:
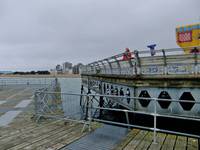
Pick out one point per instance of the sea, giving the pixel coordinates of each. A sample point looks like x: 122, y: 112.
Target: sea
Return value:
x: 70, y: 103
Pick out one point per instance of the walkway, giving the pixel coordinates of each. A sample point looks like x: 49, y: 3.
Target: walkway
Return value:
x: 13, y: 104
x: 143, y: 140
x: 104, y: 138
x: 23, y: 133
x: 18, y: 131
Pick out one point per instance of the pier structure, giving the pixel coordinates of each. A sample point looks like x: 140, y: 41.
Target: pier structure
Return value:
x: 164, y: 86
x: 168, y: 75
x: 45, y: 123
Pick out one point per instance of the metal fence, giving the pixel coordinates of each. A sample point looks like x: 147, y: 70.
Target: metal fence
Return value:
x: 4, y: 81
x: 164, y: 62
x: 86, y: 108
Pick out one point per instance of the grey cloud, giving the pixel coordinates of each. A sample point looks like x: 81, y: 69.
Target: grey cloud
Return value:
x: 38, y: 34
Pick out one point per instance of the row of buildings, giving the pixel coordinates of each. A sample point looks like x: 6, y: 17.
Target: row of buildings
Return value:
x: 68, y: 68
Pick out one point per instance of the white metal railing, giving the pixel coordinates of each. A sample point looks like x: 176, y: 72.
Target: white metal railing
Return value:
x: 5, y: 81
x: 87, y: 106
x: 164, y: 62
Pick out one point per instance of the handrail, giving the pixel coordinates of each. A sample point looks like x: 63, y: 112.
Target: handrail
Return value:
x: 163, y: 63
x: 90, y: 107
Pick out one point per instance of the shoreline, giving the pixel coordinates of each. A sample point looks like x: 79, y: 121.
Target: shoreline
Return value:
x: 41, y: 76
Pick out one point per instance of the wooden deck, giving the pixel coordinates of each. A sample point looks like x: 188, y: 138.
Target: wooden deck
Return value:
x: 23, y: 133
x: 143, y: 140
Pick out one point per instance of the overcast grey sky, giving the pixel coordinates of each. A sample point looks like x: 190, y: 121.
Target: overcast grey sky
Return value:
x: 38, y: 34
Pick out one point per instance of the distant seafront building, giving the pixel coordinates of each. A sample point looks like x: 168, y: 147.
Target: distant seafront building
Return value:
x: 77, y: 68
x: 67, y: 67
x: 59, y: 69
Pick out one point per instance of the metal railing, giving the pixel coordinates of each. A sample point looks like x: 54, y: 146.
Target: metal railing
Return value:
x: 164, y: 62
x: 6, y: 81
x: 86, y: 108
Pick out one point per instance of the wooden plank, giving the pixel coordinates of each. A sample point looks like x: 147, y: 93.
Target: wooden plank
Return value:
x: 68, y: 138
x: 67, y: 141
x: 19, y: 125
x: 20, y: 92
x: 23, y: 136
x: 30, y: 141
x: 26, y: 130
x: 159, y: 142
x: 169, y: 142
x: 127, y: 139
x: 146, y: 142
x: 45, y: 142
x: 181, y: 143
x: 61, y: 139
x: 192, y: 144
x: 6, y: 93
x: 36, y: 138
x: 136, y: 140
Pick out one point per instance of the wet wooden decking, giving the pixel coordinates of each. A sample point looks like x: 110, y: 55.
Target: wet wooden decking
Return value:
x: 23, y: 133
x: 143, y: 140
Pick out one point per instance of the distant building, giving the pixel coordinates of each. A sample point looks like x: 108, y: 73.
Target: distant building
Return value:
x: 67, y: 67
x: 77, y: 68
x: 58, y: 69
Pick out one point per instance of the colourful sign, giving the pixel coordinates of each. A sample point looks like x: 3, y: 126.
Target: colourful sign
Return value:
x: 185, y: 36
x: 188, y: 36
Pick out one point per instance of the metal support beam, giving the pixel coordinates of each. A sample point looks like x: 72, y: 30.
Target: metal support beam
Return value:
x: 164, y: 61
x: 195, y: 63
x: 127, y: 118
x: 138, y: 63
x: 103, y: 66
x: 118, y: 64
x: 111, y: 69
x: 99, y: 68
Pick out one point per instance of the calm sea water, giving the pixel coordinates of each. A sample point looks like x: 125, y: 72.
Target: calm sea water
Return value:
x: 71, y: 104
x: 70, y: 85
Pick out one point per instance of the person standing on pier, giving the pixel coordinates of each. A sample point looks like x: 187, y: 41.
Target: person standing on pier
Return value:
x: 127, y: 55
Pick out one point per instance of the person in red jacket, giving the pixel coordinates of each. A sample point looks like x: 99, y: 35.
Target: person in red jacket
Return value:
x: 127, y: 55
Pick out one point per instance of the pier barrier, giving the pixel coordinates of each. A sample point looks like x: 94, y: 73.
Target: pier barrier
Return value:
x: 110, y: 109
x: 165, y: 62
x: 12, y: 81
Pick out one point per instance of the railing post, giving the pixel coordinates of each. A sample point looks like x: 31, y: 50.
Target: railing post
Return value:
x: 90, y: 112
x: 155, y: 120
x: 195, y: 63
x: 118, y: 64
x: 103, y: 66
x: 165, y: 62
x: 111, y: 69
x: 88, y: 115
x: 93, y: 68
x: 86, y: 69
x: 127, y: 118
x: 35, y: 102
x: 97, y: 71
x: 87, y: 105
x: 81, y: 97
x: 138, y: 63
